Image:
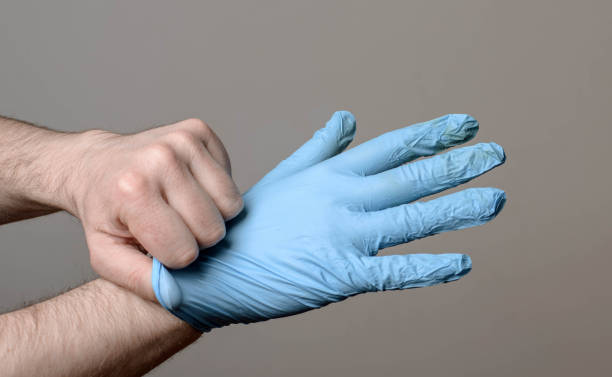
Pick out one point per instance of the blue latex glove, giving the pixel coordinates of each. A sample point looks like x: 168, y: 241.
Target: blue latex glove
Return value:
x: 311, y: 227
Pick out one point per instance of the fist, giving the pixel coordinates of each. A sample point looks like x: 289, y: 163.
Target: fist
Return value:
x: 166, y: 192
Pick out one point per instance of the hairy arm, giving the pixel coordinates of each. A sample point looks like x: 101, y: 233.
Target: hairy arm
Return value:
x: 34, y: 167
x: 98, y: 329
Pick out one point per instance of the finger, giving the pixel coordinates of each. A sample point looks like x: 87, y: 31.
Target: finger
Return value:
x: 215, y: 181
x: 217, y: 150
x: 411, y: 270
x: 401, y: 224
x: 159, y: 229
x: 211, y: 142
x: 326, y: 142
x: 205, y: 135
x: 210, y: 175
x: 122, y: 263
x: 406, y: 144
x: 418, y: 179
x: 196, y: 208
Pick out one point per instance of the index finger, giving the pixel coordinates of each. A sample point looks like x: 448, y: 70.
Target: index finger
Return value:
x: 204, y: 133
x: 211, y: 141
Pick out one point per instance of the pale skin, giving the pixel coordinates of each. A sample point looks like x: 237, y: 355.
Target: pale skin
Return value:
x: 97, y: 329
x: 165, y: 191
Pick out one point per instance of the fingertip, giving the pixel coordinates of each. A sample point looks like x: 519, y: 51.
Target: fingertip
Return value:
x: 345, y: 125
x: 345, y: 117
x: 500, y: 200
x: 463, y: 121
x: 440, y: 268
x: 496, y: 150
x: 459, y: 129
x: 463, y: 267
x: 452, y: 265
x: 465, y: 264
x: 486, y: 202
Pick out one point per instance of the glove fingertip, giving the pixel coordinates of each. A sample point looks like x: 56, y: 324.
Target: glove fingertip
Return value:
x: 344, y: 125
x: 341, y: 127
x: 462, y: 268
x: 459, y: 129
x: 500, y: 201
x: 487, y: 202
x: 494, y: 150
x: 448, y: 267
x: 344, y: 116
x: 465, y: 265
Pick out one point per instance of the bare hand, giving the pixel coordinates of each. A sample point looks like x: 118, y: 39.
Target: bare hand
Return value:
x: 166, y: 191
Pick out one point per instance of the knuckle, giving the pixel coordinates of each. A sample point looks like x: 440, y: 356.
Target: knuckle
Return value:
x: 161, y: 155
x: 214, y: 234
x: 131, y: 183
x: 234, y: 206
x: 198, y: 125
x: 184, y: 138
x: 184, y: 258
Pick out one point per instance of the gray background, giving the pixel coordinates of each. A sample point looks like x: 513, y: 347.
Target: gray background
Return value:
x: 266, y: 74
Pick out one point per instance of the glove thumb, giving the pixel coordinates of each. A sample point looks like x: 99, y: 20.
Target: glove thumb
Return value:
x: 325, y: 143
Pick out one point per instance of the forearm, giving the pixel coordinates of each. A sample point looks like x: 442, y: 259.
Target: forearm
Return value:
x: 98, y: 329
x: 34, y: 166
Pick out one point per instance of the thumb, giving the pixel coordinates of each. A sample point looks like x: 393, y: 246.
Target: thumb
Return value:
x: 325, y: 143
x: 413, y: 270
x: 122, y: 263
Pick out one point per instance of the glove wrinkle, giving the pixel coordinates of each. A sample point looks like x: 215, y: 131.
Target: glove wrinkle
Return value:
x: 311, y: 228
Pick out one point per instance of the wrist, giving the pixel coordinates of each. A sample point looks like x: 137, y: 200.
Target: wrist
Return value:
x: 70, y: 171
x: 53, y: 171
x: 51, y: 176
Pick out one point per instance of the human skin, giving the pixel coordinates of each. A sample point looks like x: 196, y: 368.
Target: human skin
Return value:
x: 97, y: 329
x: 102, y: 329
x: 166, y: 191
x: 119, y: 188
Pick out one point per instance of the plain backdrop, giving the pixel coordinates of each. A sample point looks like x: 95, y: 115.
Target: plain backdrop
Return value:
x: 267, y: 74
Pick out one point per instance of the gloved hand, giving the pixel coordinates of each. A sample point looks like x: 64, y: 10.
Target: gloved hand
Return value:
x: 311, y: 227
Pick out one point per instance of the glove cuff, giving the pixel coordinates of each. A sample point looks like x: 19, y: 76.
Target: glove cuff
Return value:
x: 169, y: 294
